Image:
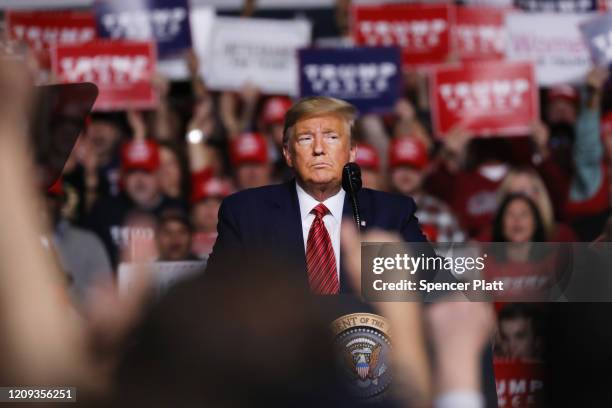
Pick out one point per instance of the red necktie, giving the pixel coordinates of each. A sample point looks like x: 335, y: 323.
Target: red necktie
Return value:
x: 320, y: 258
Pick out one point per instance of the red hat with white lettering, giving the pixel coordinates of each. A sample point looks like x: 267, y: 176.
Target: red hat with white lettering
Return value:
x: 274, y: 110
x: 367, y: 157
x: 210, y: 187
x: 140, y: 155
x: 566, y: 92
x: 249, y: 148
x: 408, y: 151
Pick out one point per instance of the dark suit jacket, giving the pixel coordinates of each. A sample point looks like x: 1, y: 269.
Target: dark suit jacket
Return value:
x: 257, y: 221
x: 268, y: 218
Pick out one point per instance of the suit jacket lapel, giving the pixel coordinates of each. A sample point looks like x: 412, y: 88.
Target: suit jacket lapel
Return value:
x: 288, y: 227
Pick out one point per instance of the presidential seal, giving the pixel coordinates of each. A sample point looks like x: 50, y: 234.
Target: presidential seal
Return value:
x: 362, y: 354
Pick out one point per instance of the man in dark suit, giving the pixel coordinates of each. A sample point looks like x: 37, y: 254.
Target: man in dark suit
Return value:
x: 301, y: 219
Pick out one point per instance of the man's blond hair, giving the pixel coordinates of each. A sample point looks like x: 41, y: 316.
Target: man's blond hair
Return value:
x: 317, y: 106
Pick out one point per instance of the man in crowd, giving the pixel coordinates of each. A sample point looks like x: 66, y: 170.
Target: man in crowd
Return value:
x: 408, y: 161
x: 369, y: 162
x: 81, y: 254
x: 173, y: 236
x: 206, y: 196
x: 519, y: 336
x: 272, y: 118
x: 112, y: 218
x: 250, y: 158
x: 301, y: 219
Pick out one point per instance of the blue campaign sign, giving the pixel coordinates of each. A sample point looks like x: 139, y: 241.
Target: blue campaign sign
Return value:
x: 164, y: 21
x: 368, y: 77
x: 597, y: 34
x: 562, y: 6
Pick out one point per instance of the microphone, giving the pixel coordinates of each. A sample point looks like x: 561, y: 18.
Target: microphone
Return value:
x: 351, y: 183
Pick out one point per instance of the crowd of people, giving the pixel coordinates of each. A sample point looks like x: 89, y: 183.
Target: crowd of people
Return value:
x: 147, y: 186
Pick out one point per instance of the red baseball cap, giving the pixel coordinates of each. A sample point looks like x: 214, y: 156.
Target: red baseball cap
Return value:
x: 367, y: 157
x: 408, y: 151
x: 140, y: 155
x: 207, y: 187
x: 566, y: 92
x: 249, y: 148
x: 274, y: 110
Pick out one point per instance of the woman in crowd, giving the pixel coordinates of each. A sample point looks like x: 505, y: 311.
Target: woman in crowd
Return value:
x: 526, y: 181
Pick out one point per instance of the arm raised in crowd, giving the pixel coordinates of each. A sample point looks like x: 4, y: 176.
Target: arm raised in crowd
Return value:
x: 199, y: 129
x: 588, y: 149
x: 163, y: 117
x: 233, y: 122
x: 449, y: 161
x: 198, y: 86
x: 42, y: 340
x: 554, y: 177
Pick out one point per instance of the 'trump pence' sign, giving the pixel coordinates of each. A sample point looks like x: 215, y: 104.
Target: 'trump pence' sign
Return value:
x: 598, y: 35
x: 480, y: 33
x: 164, y: 21
x: 422, y: 31
x: 122, y: 71
x: 487, y: 98
x: 518, y: 383
x: 260, y: 51
x: 367, y: 77
x: 41, y: 29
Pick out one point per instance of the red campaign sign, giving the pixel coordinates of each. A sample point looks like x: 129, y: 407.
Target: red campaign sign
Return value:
x: 422, y: 31
x: 487, y: 98
x: 480, y: 33
x: 518, y: 383
x: 122, y: 70
x: 605, y: 5
x: 41, y: 29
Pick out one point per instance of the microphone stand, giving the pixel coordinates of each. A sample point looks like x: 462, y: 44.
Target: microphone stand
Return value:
x: 351, y: 183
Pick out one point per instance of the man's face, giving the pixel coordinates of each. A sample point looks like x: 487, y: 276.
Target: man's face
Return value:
x: 406, y: 179
x: 251, y: 175
x: 103, y: 136
x: 517, y: 338
x: 169, y: 172
x: 561, y: 111
x: 204, y: 214
x: 173, y: 241
x: 142, y: 187
x: 318, y: 149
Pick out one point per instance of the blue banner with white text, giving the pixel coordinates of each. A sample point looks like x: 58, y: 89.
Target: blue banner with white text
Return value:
x: 368, y: 77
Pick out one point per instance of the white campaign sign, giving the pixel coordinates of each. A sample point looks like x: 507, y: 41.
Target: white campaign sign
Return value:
x: 162, y: 274
x: 553, y: 42
x: 260, y: 51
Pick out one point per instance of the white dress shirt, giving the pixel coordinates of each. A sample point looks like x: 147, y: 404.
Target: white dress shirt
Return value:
x: 332, y: 221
